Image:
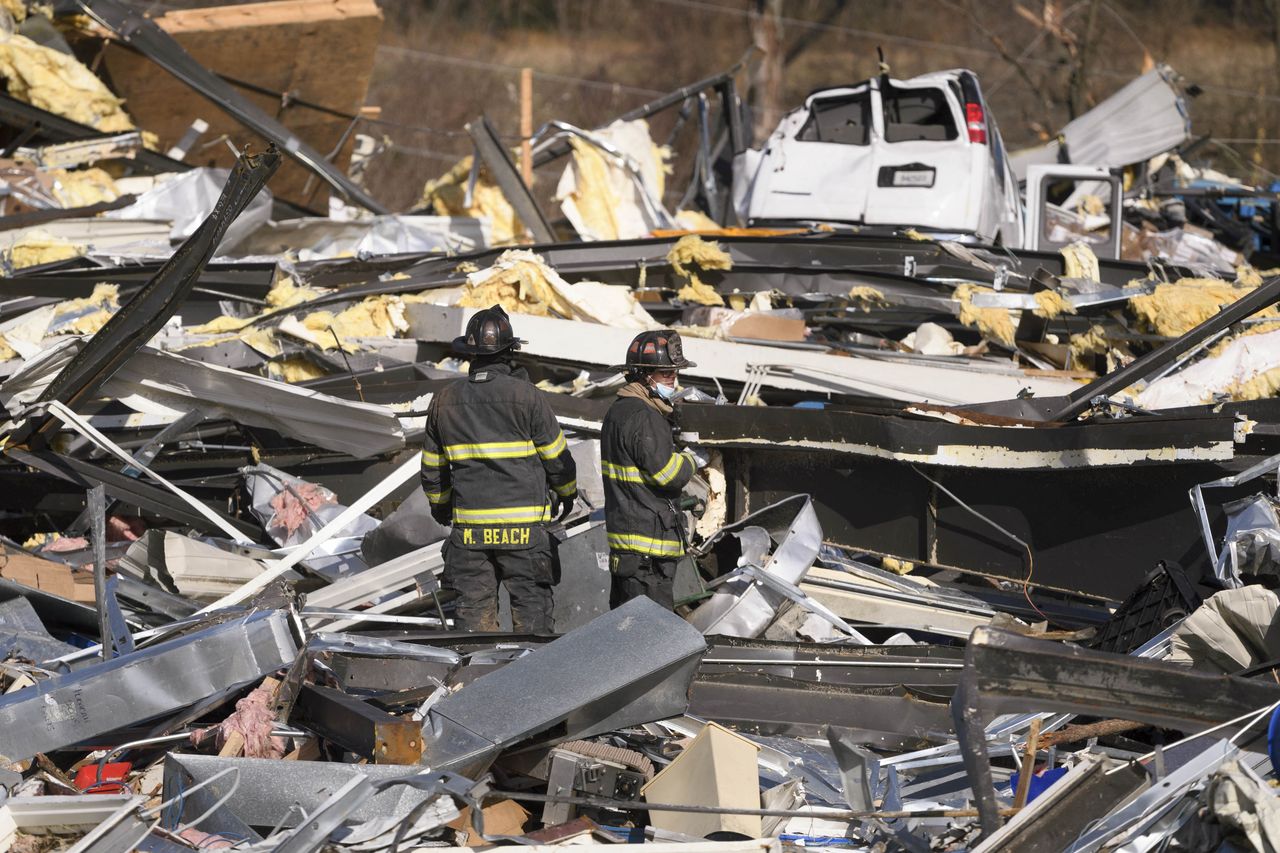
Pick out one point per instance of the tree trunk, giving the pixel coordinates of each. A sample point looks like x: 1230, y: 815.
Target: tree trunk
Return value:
x: 766, y: 81
x: 1078, y: 93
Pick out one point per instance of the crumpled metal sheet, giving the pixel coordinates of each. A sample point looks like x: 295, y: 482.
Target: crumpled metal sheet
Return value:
x: 1146, y: 117
x: 67, y: 709
x: 151, y: 306
x: 741, y: 607
x: 397, y: 234
x: 188, y: 198
x: 23, y: 634
x: 166, y: 384
x: 272, y: 793
x: 632, y: 665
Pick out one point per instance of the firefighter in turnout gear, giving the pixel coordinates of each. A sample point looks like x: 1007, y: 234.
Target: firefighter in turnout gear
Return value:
x: 643, y: 473
x: 496, y: 467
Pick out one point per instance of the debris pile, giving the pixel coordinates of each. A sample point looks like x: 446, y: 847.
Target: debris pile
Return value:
x: 983, y: 535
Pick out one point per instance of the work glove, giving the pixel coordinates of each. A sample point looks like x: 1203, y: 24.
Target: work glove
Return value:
x: 443, y: 514
x: 561, y: 507
x: 701, y: 459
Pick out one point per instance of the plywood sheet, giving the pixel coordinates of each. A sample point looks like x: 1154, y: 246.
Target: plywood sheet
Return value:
x: 319, y: 51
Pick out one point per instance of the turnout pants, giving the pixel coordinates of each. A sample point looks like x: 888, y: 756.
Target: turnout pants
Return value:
x: 635, y: 575
x: 475, y: 574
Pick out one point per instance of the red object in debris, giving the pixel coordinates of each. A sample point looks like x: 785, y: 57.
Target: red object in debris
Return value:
x: 110, y: 782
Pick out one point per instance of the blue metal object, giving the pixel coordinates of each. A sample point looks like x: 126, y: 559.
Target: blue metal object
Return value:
x: 1040, y: 782
x: 1273, y: 741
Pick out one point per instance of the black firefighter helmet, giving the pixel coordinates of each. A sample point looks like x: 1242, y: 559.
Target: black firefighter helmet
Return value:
x: 488, y: 333
x: 659, y: 350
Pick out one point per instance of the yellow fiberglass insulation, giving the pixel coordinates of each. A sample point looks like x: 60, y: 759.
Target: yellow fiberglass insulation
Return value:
x: 286, y: 294
x: 6, y: 352
x: 59, y: 83
x: 994, y: 323
x: 448, y: 194
x: 716, y: 514
x: 593, y: 193
x: 898, y: 567
x: 1092, y: 205
x: 40, y: 247
x: 220, y: 325
x: 1247, y: 276
x: 1050, y: 304
x: 696, y: 220
x: 518, y: 282
x: 690, y: 254
x: 294, y: 369
x: 1177, y: 308
x: 83, y: 187
x: 1092, y: 342
x: 91, y: 312
x: 1260, y: 386
x: 866, y: 296
x: 262, y: 340
x: 373, y: 317
x: 1079, y: 261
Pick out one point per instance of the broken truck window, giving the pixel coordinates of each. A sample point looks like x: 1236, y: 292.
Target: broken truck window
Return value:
x: 845, y: 120
x: 914, y: 115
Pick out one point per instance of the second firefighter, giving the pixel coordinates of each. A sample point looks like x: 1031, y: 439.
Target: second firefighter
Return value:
x: 643, y: 472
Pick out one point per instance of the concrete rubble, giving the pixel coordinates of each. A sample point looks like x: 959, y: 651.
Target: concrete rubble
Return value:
x: 983, y: 558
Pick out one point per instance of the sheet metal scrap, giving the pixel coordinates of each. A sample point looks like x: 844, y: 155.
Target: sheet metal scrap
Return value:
x: 136, y: 321
x: 641, y: 659
x: 66, y: 709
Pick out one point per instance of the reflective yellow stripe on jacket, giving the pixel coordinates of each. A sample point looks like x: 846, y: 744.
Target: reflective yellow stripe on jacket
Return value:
x: 440, y: 497
x: 646, y: 545
x: 626, y: 473
x: 554, y: 449
x: 502, y: 515
x: 669, y: 471
x: 567, y: 489
x: 489, y: 450
x: 632, y: 474
x: 433, y: 460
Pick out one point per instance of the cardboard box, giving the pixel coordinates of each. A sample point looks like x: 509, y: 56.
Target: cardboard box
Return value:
x: 718, y: 768
x: 767, y: 327
x: 47, y: 576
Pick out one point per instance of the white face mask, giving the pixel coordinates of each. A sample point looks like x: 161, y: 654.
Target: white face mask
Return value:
x: 666, y: 392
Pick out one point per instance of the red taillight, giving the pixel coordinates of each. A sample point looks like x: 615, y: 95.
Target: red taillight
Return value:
x: 976, y: 121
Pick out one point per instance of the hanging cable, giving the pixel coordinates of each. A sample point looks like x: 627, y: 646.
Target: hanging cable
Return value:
x: 1026, y: 582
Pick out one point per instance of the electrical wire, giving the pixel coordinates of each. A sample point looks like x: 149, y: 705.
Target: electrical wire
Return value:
x: 1026, y: 582
x: 482, y: 65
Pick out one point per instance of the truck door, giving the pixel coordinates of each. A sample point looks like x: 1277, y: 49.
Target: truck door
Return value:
x: 821, y: 172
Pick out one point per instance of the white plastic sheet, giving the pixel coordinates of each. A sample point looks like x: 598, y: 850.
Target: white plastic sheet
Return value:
x: 187, y: 199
